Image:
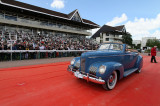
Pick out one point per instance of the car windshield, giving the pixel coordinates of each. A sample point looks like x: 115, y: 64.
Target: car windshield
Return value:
x: 111, y: 47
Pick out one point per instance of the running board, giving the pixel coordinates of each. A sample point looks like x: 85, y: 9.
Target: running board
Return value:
x: 130, y: 71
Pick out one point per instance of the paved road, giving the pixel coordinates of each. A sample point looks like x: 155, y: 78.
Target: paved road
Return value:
x: 51, y: 85
x: 18, y: 63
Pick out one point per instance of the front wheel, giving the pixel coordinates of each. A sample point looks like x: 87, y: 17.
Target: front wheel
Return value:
x: 111, y: 82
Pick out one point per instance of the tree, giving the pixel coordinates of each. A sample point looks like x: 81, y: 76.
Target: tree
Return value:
x: 136, y: 46
x: 127, y: 39
x: 153, y: 42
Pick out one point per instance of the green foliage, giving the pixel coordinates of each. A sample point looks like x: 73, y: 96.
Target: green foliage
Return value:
x: 148, y: 51
x: 153, y: 42
x: 136, y: 47
x: 127, y: 39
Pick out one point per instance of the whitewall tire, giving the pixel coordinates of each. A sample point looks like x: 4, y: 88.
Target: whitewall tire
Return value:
x: 111, y: 82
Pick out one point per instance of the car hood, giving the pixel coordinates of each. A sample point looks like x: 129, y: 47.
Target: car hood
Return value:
x: 101, y: 53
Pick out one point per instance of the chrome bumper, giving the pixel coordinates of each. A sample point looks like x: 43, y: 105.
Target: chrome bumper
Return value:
x: 86, y: 77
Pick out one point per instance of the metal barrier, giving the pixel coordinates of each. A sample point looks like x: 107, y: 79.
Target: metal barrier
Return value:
x: 6, y: 55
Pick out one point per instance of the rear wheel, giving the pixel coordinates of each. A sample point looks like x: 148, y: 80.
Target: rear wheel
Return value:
x: 111, y: 82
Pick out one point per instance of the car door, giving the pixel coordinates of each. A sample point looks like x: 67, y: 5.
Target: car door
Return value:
x: 129, y: 59
x: 134, y: 56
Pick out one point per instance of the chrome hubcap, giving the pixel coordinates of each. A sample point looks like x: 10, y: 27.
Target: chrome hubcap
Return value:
x: 111, y: 79
x: 111, y: 82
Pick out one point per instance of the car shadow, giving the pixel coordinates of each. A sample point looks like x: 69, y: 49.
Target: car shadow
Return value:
x: 124, y: 81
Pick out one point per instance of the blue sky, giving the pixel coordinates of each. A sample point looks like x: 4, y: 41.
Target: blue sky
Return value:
x: 141, y: 17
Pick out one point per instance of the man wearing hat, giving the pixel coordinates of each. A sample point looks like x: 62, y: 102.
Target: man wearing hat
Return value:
x: 153, y: 54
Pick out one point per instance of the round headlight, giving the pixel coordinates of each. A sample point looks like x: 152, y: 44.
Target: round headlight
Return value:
x: 77, y: 64
x: 72, y: 62
x: 102, y: 69
x: 78, y: 61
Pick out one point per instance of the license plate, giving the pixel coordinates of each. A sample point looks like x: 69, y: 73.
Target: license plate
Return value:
x: 77, y: 74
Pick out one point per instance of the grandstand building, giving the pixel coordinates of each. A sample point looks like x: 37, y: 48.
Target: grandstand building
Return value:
x: 19, y: 20
x: 110, y: 34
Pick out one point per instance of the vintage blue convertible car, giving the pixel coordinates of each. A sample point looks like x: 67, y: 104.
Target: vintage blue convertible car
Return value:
x: 111, y: 62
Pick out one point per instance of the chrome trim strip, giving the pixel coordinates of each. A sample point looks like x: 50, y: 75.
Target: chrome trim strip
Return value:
x: 112, y: 56
x: 106, y: 56
x: 86, y: 77
x: 96, y: 80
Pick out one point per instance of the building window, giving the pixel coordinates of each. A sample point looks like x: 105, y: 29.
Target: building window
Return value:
x: 23, y: 20
x: 9, y: 17
x: 52, y: 24
x: 107, y: 39
x: 107, y: 34
x: 44, y: 23
x: 1, y: 16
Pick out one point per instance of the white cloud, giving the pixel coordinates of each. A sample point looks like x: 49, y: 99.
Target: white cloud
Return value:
x: 156, y: 33
x: 118, y: 20
x: 144, y: 27
x: 59, y: 4
x: 115, y: 21
x: 139, y: 27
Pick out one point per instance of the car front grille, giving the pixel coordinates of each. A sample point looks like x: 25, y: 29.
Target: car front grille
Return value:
x: 92, y: 70
x: 82, y: 65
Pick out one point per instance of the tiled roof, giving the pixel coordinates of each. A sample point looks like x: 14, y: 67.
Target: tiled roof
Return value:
x: 120, y: 28
x: 106, y: 28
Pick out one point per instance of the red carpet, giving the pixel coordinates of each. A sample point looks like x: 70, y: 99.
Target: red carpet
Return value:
x: 51, y: 84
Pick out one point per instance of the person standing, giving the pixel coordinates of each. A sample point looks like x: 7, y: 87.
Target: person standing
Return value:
x: 153, y: 54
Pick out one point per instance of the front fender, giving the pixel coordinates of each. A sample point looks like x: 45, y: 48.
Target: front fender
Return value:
x: 76, y: 60
x: 110, y: 67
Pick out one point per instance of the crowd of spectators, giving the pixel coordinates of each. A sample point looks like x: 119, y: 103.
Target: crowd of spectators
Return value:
x: 45, y: 43
x: 49, y: 43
